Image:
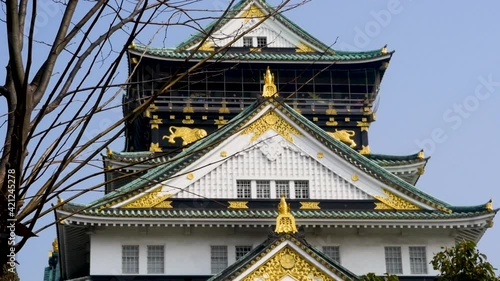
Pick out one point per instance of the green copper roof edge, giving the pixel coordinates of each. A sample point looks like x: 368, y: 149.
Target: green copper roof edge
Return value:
x: 374, y: 156
x: 271, y: 214
x: 229, y: 56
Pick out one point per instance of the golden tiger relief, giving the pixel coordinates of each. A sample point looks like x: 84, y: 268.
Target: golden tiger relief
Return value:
x: 344, y: 136
x: 187, y: 135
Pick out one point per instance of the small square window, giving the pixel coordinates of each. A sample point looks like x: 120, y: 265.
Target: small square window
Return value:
x: 393, y: 262
x: 301, y: 189
x: 130, y: 259
x: 418, y: 260
x: 263, y: 189
x: 242, y: 250
x: 261, y: 42
x: 156, y: 259
x: 282, y: 188
x: 332, y: 252
x: 243, y: 189
x: 218, y: 258
x: 248, y: 42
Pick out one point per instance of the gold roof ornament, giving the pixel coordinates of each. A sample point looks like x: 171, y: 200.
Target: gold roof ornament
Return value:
x: 420, y: 154
x: 384, y: 50
x: 109, y: 152
x: 489, y: 205
x: 269, y: 89
x: 55, y: 246
x: 285, y: 222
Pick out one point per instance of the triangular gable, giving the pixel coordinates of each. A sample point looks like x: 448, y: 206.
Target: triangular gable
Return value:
x: 279, y: 31
x: 272, y: 117
x: 284, y: 257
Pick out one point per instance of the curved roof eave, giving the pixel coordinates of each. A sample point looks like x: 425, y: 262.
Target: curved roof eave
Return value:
x: 380, y: 58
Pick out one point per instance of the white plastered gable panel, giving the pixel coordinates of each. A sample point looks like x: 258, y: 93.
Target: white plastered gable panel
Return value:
x: 277, y: 34
x: 273, y: 158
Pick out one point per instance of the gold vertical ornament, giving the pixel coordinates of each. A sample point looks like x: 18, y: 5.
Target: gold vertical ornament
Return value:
x: 285, y: 222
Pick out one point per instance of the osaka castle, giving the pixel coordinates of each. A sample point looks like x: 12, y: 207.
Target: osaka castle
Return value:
x: 252, y: 162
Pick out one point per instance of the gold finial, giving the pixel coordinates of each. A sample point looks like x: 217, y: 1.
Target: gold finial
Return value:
x: 59, y: 200
x: 269, y: 86
x: 55, y: 246
x: 489, y: 205
x: 384, y: 50
x: 365, y: 150
x: 132, y: 45
x: 285, y: 222
x: 109, y: 152
x: 420, y: 154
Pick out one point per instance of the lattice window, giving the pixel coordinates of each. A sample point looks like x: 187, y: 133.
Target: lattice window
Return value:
x: 243, y: 189
x: 130, y: 259
x: 418, y: 260
x: 282, y: 188
x: 301, y: 189
x: 241, y: 251
x: 393, y: 262
x: 261, y: 42
x: 332, y: 252
x: 156, y: 259
x: 248, y: 42
x: 218, y: 258
x: 263, y: 189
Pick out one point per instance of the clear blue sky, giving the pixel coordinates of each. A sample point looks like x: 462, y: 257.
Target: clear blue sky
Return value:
x: 445, y: 51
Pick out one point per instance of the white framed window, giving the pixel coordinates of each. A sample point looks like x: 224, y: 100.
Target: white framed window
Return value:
x: 218, y: 258
x: 266, y: 189
x: 130, y: 259
x: 263, y: 189
x: 301, y: 189
x: 156, y: 259
x: 240, y: 251
x: 332, y: 252
x: 282, y: 188
x: 243, y: 189
x: 247, y: 41
x: 418, y: 260
x: 261, y: 42
x: 393, y: 262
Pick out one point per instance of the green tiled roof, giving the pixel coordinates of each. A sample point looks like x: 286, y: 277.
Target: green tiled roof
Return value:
x: 272, y: 214
x: 396, y: 160
x: 338, y: 56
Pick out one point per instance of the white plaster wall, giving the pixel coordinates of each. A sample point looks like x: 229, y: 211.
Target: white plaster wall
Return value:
x: 362, y: 251
x: 187, y: 251
x: 289, y: 164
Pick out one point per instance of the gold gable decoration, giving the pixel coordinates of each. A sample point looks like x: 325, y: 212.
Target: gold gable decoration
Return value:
x: 287, y: 263
x: 393, y: 202
x: 149, y: 200
x: 270, y: 120
x: 253, y: 12
x: 207, y: 47
x: 303, y: 48
x: 285, y: 222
